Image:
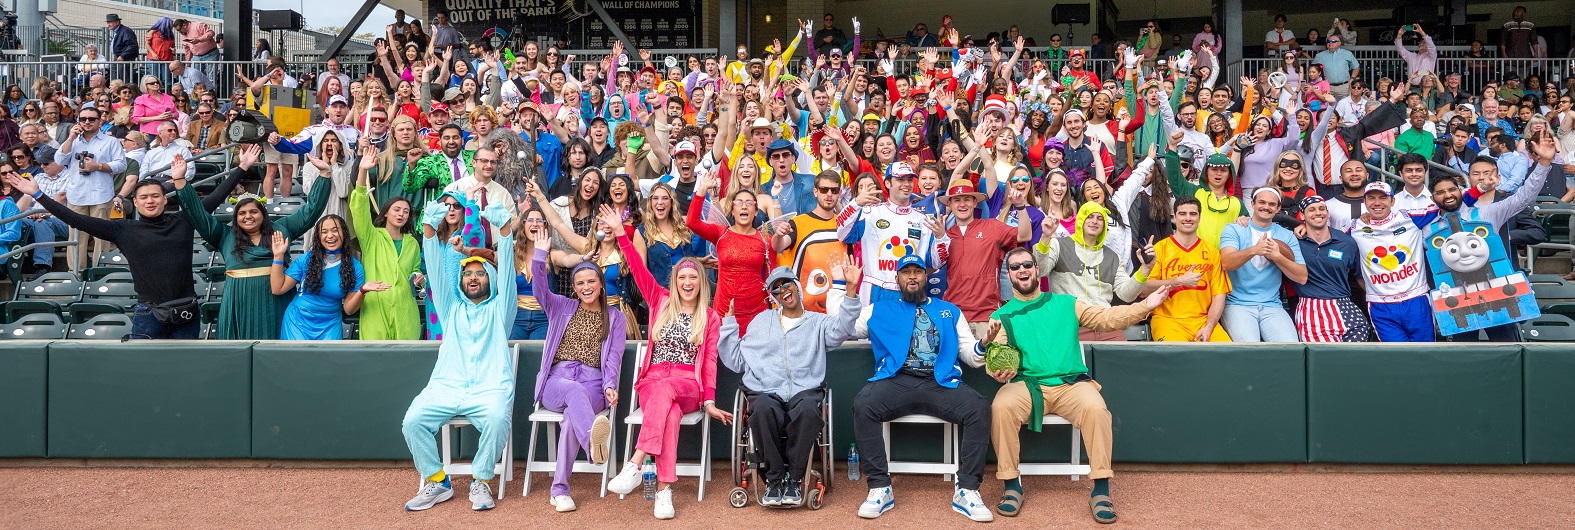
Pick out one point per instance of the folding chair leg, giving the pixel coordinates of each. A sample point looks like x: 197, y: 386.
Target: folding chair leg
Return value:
x: 530, y: 458
x: 950, y: 447
x: 705, y: 455
x: 1077, y: 450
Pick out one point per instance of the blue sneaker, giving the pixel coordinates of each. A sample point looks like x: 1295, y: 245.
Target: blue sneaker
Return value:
x: 878, y: 502
x: 430, y: 494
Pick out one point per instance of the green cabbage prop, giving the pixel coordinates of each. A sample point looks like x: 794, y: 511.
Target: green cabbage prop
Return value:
x: 998, y: 356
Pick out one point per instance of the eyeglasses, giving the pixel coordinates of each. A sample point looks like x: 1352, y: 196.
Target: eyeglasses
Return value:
x: 534, y: 221
x: 484, y: 161
x: 1021, y: 265
x: 743, y: 203
x: 1288, y: 163
x: 823, y: 189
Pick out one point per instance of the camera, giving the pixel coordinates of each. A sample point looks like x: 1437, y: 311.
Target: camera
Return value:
x: 82, y: 158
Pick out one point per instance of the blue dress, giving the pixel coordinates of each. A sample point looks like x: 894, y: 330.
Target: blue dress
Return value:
x: 528, y: 324
x: 320, y: 315
x: 660, y: 257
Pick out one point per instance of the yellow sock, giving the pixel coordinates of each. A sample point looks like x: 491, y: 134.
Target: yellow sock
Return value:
x: 438, y: 477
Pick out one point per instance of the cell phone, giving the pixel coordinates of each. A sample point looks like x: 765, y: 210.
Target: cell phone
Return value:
x: 1408, y: 27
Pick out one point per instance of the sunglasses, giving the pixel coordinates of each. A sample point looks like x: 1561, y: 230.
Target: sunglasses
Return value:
x: 781, y: 155
x: 204, y: 112
x: 823, y: 189
x: 87, y: 118
x: 1294, y: 164
x: 1020, y: 178
x: 1021, y: 265
x: 782, y: 288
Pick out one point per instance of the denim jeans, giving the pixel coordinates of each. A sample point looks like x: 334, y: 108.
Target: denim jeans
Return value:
x: 529, y: 325
x: 145, y: 326
x: 1258, y: 323
x: 49, y: 229
x: 211, y: 71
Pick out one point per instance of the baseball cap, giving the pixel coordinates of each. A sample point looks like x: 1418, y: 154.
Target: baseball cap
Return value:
x: 910, y: 259
x: 451, y: 94
x: 439, y: 107
x: 685, y: 146
x: 900, y: 170
x: 337, y: 99
x: 1378, y: 186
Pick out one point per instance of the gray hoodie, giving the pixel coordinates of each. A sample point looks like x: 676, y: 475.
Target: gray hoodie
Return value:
x: 785, y: 362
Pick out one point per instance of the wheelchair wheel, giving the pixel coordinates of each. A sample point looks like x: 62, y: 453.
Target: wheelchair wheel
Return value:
x: 814, y: 499
x: 739, y: 497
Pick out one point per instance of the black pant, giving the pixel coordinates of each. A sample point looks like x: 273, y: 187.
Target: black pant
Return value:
x: 904, y: 394
x: 786, y: 431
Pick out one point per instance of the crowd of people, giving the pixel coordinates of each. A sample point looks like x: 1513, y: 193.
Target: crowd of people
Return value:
x: 719, y: 206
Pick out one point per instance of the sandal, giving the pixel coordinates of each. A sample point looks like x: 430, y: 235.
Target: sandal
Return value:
x: 1011, y: 503
x: 1104, y: 510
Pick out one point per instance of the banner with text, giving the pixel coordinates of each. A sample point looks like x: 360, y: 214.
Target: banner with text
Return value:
x: 648, y: 23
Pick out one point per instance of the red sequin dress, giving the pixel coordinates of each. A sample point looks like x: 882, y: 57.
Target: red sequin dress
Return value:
x: 742, y: 264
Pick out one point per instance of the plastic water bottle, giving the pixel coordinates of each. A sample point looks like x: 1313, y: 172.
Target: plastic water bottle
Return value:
x: 649, y: 472
x: 853, y: 462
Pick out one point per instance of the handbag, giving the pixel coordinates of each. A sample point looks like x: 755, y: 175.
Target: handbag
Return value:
x: 176, y: 312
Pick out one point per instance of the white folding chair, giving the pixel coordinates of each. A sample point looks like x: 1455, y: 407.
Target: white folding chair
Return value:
x: 549, y: 419
x: 1074, y: 466
x: 504, y: 467
x: 950, y: 447
x: 701, y: 469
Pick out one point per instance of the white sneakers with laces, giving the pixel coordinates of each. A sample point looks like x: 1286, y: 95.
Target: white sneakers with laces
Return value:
x: 968, y: 503
x: 664, y: 504
x: 878, y: 502
x: 627, y: 480
x: 481, y: 495
x: 563, y: 503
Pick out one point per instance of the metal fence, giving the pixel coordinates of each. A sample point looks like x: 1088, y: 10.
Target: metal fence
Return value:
x: 1474, y: 72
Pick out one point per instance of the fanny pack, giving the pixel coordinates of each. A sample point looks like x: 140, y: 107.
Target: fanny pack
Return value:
x: 176, y: 312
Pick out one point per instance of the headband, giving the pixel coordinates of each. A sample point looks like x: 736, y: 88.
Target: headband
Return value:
x: 1311, y: 200
x: 1262, y: 189
x: 584, y: 265
x: 1079, y: 114
x: 688, y: 265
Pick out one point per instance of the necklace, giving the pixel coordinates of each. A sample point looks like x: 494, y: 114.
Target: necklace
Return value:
x: 1225, y: 203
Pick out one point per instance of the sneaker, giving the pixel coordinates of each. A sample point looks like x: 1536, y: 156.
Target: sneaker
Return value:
x: 664, y: 504
x: 968, y: 503
x: 480, y: 495
x: 878, y: 502
x: 792, y: 492
x: 773, y: 496
x: 626, y: 481
x: 431, y: 493
x: 563, y: 503
x: 601, y: 430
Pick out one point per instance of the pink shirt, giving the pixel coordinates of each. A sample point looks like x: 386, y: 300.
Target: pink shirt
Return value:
x: 201, y: 40
x: 146, y: 106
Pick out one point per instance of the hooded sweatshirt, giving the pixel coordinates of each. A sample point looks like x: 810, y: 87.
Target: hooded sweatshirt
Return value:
x: 1091, y: 272
x: 784, y: 362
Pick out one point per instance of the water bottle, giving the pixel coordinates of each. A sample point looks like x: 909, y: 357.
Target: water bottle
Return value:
x: 853, y: 462
x: 649, y: 472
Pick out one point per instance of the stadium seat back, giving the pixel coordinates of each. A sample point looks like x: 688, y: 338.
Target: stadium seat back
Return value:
x: 1548, y: 328
x: 109, y: 326
x: 36, y: 326
x: 59, y: 287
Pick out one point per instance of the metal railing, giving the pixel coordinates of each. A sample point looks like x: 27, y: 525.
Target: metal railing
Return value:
x: 1474, y: 73
x: 1390, y: 153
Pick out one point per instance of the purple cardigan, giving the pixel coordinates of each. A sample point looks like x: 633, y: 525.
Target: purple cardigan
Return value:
x: 559, y: 310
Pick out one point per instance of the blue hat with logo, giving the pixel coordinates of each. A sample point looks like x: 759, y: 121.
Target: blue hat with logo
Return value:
x: 910, y: 259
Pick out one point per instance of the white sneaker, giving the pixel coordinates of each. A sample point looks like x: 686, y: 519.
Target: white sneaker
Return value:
x: 878, y: 502
x: 430, y: 494
x: 601, y: 430
x: 968, y: 503
x: 480, y: 496
x: 664, y: 504
x: 626, y: 481
x: 563, y: 503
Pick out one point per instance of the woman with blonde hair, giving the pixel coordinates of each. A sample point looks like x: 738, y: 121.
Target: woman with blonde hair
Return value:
x: 677, y: 374
x: 374, y: 95
x: 746, y: 177
x: 1290, y: 177
x: 664, y: 239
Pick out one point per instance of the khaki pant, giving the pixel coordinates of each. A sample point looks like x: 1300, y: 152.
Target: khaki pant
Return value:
x: 1079, y: 403
x: 82, y: 260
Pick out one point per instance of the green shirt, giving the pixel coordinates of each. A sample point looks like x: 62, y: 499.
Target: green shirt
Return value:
x: 1045, y: 331
x: 1416, y: 141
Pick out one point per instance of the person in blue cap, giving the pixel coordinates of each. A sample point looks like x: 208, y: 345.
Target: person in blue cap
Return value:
x: 920, y: 344
x: 794, y: 191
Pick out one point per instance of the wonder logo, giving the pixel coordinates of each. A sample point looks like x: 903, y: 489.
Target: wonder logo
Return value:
x: 1389, y: 257
x: 892, y: 250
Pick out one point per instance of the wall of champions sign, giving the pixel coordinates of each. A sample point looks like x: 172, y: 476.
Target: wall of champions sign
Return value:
x: 649, y: 23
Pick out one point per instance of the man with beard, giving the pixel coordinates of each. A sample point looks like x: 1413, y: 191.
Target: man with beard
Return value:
x: 1325, y: 310
x: 808, y: 241
x: 1346, y: 200
x: 920, y: 344
x: 1051, y: 376
x: 889, y: 230
x: 783, y: 358
x: 1456, y: 206
x: 682, y: 177
x: 474, y: 375
x: 433, y: 173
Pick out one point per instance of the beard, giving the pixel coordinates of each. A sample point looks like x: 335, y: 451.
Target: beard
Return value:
x: 915, y: 296
x: 1027, y: 287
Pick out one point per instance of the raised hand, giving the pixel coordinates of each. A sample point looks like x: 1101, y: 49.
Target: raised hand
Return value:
x: 319, y: 163
x: 178, y: 171
x: 612, y: 220
x: 280, y: 245
x: 497, y: 214
x: 249, y: 155
x: 368, y: 157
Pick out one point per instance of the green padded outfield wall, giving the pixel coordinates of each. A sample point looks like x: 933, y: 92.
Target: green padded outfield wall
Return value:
x: 150, y: 399
x: 1550, y: 394
x: 312, y: 402
x: 1175, y: 403
x: 1414, y: 404
x: 23, y: 376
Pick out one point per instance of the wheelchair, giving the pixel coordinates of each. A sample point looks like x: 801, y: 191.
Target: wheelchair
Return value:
x: 748, y: 467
